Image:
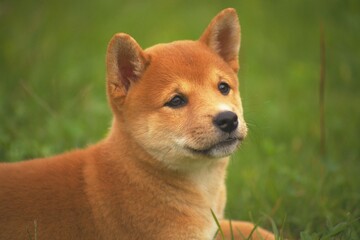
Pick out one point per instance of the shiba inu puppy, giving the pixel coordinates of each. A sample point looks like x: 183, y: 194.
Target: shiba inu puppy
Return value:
x: 161, y: 169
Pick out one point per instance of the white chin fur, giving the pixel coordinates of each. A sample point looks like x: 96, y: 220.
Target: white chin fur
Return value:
x: 217, y: 151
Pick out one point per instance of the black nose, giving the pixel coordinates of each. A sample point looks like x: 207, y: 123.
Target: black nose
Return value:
x: 226, y: 121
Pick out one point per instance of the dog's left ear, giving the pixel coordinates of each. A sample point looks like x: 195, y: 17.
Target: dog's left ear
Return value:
x: 223, y: 37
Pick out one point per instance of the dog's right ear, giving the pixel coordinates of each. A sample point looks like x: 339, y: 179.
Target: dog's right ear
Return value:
x: 125, y: 62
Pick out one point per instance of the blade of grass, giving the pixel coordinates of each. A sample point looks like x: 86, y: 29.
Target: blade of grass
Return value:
x: 274, y: 227
x: 216, y: 233
x: 35, y: 227
x: 339, y: 228
x: 231, y: 230
x: 241, y: 234
x: 218, y: 224
x: 252, y: 231
x: 322, y: 92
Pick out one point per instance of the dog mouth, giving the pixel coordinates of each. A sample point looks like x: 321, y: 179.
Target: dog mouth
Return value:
x: 220, y: 149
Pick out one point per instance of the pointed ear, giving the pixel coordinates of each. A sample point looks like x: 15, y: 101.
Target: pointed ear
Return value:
x: 126, y: 62
x: 223, y: 37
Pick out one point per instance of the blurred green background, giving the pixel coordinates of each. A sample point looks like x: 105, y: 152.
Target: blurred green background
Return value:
x: 52, y: 96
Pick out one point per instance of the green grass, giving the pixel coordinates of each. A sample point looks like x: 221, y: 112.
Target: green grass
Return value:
x: 52, y: 96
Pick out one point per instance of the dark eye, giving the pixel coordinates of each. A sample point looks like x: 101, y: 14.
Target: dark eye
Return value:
x: 176, y: 102
x: 224, y: 88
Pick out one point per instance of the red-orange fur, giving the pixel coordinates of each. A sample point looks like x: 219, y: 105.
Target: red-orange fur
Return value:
x: 139, y: 183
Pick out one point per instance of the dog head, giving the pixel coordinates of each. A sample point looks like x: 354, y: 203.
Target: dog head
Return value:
x: 180, y: 101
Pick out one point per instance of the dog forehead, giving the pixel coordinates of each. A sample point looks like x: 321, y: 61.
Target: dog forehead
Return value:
x: 191, y: 60
x: 181, y: 49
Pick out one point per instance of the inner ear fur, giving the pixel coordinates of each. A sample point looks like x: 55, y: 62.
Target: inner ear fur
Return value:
x: 223, y: 36
x: 126, y: 62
